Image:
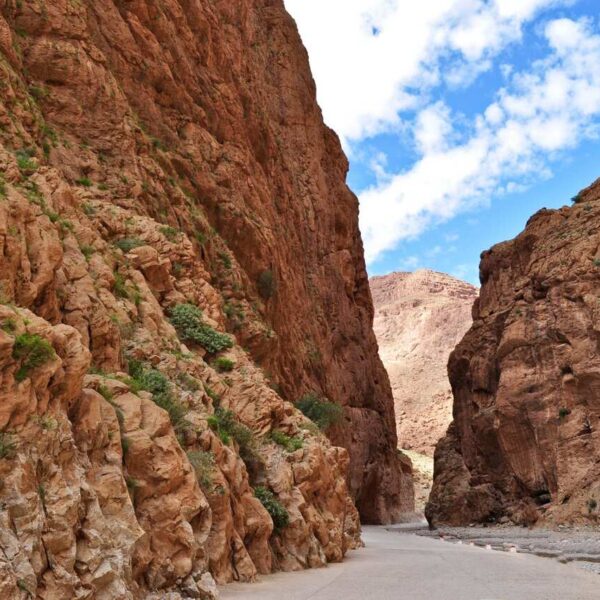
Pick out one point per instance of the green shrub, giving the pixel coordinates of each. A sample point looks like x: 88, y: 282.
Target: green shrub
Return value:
x: 564, y: 412
x: 187, y: 320
x: 8, y: 447
x: 153, y: 381
x: 226, y: 426
x: 2, y: 186
x: 84, y: 182
x: 170, y: 233
x: 213, y: 396
x: 226, y: 260
x: 119, y: 287
x: 24, y: 162
x: 9, y: 325
x: 267, y: 286
x: 223, y: 365
x: 33, y: 351
x: 87, y: 251
x: 204, y: 467
x: 321, y: 411
x: 278, y: 512
x: 577, y: 198
x: 128, y: 244
x: 291, y: 444
x: 592, y: 504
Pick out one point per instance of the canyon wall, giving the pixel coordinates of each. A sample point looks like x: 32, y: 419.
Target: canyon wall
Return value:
x: 419, y: 319
x: 524, y: 445
x: 180, y: 263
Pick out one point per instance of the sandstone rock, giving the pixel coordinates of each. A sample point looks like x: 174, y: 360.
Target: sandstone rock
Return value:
x: 524, y: 442
x: 419, y: 319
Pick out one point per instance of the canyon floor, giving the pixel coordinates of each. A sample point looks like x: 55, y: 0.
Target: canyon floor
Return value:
x: 396, y: 564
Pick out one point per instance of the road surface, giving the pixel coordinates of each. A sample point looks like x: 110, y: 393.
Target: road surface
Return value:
x: 402, y: 566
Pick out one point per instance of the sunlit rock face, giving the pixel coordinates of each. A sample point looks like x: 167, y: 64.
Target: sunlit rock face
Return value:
x: 181, y: 263
x: 419, y: 319
x: 524, y: 442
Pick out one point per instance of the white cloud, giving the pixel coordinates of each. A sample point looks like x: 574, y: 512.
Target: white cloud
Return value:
x: 545, y: 110
x: 369, y: 56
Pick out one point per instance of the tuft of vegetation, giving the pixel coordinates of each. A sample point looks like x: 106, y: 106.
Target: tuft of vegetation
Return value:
x: 564, y: 412
x: 128, y: 244
x: 153, y: 381
x: 87, y: 251
x: 225, y: 260
x: 320, y: 411
x: 125, y: 444
x: 592, y: 505
x: 8, y: 447
x: 9, y: 325
x: 278, y: 512
x: 223, y: 364
x: 216, y: 399
x: 226, y: 426
x: 291, y: 444
x: 2, y: 186
x: 24, y: 162
x: 33, y: 351
x: 187, y: 320
x: 88, y: 209
x: 267, y: 285
x: 577, y: 198
x: 120, y: 287
x: 204, y: 467
x: 84, y: 182
x: 170, y: 233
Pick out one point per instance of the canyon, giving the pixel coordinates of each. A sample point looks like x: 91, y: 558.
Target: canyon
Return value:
x: 419, y: 319
x: 525, y: 440
x: 181, y: 269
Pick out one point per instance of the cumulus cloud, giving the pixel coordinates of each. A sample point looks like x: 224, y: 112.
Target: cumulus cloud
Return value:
x: 370, y: 57
x: 546, y: 109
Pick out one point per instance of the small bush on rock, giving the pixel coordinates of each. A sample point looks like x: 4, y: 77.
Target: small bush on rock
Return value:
x: 320, y: 411
x: 204, y: 467
x: 223, y: 365
x: 153, y: 381
x: 187, y: 320
x: 7, y: 445
x: 128, y: 244
x: 278, y: 512
x: 291, y: 444
x: 33, y: 351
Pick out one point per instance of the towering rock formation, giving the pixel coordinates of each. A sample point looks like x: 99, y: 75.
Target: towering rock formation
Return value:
x: 525, y: 441
x: 166, y: 177
x: 419, y: 319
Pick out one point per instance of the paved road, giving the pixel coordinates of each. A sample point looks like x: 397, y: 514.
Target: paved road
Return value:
x: 395, y: 566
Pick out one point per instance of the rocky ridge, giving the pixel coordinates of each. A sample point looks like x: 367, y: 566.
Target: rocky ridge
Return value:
x: 180, y: 262
x: 419, y: 319
x: 524, y: 444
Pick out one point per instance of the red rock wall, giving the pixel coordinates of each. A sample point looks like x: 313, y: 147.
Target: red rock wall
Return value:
x: 190, y: 129
x: 524, y: 444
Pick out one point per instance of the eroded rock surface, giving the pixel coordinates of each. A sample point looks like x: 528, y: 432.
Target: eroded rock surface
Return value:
x: 419, y: 319
x: 165, y: 157
x: 524, y: 445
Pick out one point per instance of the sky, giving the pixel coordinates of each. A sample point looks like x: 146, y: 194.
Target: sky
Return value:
x: 461, y: 118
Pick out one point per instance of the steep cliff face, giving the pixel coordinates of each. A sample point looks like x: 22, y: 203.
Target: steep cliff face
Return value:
x: 419, y: 319
x: 525, y: 441
x: 166, y: 177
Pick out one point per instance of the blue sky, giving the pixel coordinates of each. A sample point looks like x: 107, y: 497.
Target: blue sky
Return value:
x: 461, y: 118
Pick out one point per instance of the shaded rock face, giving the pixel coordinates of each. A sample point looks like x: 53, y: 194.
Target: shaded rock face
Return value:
x: 419, y: 319
x: 525, y: 442
x: 154, y: 157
